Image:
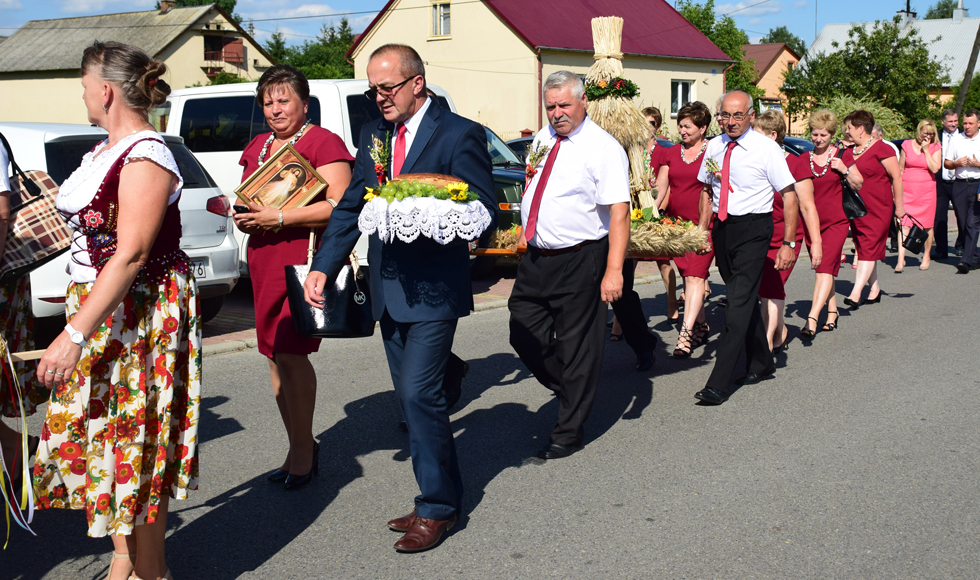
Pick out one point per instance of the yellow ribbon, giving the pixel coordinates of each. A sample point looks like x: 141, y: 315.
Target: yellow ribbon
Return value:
x: 26, y: 491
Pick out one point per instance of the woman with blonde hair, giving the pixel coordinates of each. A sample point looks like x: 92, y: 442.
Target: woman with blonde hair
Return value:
x: 120, y: 437
x: 819, y: 172
x: 772, y: 289
x: 919, y: 161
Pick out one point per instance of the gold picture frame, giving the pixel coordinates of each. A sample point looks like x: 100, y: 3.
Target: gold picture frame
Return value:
x: 285, y: 181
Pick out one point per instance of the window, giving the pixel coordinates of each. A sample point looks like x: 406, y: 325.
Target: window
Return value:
x: 680, y: 95
x: 227, y: 123
x: 440, y: 19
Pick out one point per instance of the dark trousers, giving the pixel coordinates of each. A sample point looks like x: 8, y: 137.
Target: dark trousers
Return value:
x: 557, y: 328
x: 417, y: 354
x: 944, y: 197
x: 965, y: 202
x: 741, y: 244
x: 629, y: 313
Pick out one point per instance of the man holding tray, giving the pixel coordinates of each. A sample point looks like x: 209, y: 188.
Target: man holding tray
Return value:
x: 576, y: 222
x: 419, y: 290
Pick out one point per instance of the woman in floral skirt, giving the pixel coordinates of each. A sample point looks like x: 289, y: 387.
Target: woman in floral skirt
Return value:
x: 120, y: 437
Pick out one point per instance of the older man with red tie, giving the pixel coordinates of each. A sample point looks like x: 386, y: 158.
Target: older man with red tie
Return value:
x: 740, y: 172
x: 576, y: 223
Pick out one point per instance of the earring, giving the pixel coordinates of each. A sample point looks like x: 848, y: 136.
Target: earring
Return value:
x: 105, y: 108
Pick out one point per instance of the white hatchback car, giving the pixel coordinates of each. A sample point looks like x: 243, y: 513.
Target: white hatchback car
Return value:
x: 204, y: 212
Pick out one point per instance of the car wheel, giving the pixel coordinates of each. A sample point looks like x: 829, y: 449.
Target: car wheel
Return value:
x: 210, y: 307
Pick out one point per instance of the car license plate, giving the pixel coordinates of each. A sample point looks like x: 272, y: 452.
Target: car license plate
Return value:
x: 200, y: 269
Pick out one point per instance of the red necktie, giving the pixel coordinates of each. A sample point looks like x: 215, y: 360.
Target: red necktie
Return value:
x: 399, y: 159
x: 726, y: 167
x: 532, y: 215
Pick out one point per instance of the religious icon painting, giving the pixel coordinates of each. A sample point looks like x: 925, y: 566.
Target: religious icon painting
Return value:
x: 285, y: 181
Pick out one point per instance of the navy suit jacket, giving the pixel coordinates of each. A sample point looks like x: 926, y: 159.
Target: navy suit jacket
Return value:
x: 422, y: 280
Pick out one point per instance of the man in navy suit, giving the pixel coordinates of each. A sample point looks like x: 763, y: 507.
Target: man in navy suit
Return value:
x: 418, y: 290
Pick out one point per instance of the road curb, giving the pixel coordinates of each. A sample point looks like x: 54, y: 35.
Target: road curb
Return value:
x: 230, y: 346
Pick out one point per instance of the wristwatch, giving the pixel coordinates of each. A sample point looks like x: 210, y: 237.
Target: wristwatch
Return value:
x: 75, y: 336
x: 792, y: 245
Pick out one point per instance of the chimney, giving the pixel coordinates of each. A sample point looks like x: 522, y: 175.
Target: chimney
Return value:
x: 167, y: 6
x: 960, y: 13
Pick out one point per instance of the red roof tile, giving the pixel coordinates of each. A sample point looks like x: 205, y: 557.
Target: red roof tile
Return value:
x: 765, y: 55
x: 651, y: 27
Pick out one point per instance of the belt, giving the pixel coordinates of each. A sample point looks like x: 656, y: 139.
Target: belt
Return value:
x: 560, y: 251
x: 968, y: 179
x: 734, y: 219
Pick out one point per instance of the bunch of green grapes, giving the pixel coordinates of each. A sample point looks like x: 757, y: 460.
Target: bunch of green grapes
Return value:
x: 398, y: 190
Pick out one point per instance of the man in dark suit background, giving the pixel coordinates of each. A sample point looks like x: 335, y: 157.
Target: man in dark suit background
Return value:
x: 418, y: 290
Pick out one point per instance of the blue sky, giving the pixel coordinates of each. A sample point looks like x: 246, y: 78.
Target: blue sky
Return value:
x: 301, y: 21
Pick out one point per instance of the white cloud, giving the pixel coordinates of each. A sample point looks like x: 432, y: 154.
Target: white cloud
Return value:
x: 105, y: 6
x: 799, y: 4
x: 750, y: 8
x: 755, y: 20
x: 10, y: 5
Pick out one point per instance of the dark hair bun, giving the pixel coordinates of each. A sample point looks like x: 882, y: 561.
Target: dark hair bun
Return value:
x: 151, y: 86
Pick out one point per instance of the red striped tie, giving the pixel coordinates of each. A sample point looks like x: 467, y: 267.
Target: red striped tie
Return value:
x: 726, y: 167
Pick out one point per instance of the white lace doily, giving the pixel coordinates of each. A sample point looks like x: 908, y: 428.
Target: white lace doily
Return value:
x: 440, y: 219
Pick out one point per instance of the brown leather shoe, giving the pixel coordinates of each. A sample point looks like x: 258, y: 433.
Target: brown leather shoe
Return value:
x: 403, y: 523
x: 423, y: 534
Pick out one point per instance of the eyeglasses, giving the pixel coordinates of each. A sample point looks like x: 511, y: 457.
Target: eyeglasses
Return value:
x: 737, y: 116
x: 372, y: 94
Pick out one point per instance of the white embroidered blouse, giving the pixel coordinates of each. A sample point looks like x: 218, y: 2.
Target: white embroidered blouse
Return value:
x: 81, y: 186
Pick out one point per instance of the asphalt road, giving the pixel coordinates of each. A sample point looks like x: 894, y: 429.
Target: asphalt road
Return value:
x: 859, y: 460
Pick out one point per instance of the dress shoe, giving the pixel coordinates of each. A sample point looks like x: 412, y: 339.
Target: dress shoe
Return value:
x: 874, y: 300
x: 403, y: 523
x: 963, y: 268
x: 423, y: 534
x: 755, y: 378
x: 958, y: 252
x: 710, y: 396
x: 277, y: 476
x: 294, y: 482
x: 851, y: 304
x: 645, y: 360
x: 556, y: 451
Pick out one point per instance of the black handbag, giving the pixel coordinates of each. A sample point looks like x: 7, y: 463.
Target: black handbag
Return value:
x: 915, y: 241
x: 853, y: 204
x: 346, y: 311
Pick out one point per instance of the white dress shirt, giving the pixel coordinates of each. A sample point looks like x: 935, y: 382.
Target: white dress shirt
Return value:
x: 963, y: 146
x: 947, y: 138
x: 411, y: 129
x: 757, y: 170
x: 590, y: 173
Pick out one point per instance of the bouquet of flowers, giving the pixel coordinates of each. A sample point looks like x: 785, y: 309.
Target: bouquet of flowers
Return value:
x: 439, y: 207
x: 653, y: 236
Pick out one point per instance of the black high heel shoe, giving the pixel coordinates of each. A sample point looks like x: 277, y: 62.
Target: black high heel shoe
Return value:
x: 298, y: 481
x: 277, y: 476
x: 854, y: 305
x: 876, y: 299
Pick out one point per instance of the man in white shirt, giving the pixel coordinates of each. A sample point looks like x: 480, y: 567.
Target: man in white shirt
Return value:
x: 944, y: 194
x: 740, y: 172
x: 575, y: 213
x: 963, y: 157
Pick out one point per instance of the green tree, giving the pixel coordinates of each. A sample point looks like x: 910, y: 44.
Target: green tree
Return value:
x: 226, y: 5
x: 782, y: 34
x: 729, y: 38
x: 323, y: 58
x: 276, y: 47
x: 882, y: 63
x: 893, y: 123
x: 941, y: 9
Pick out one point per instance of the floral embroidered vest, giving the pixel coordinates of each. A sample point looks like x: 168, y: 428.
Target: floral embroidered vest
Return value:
x: 98, y: 221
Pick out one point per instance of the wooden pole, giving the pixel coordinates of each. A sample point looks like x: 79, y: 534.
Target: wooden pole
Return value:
x: 961, y: 99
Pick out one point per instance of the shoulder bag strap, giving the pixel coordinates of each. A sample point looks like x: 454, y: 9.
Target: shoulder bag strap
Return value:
x: 32, y: 188
x: 311, y: 250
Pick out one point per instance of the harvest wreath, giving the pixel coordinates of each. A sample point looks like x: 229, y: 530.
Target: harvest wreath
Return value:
x: 663, y: 236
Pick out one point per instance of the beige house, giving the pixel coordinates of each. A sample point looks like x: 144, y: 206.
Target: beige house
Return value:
x: 772, y: 60
x: 39, y: 64
x: 492, y: 56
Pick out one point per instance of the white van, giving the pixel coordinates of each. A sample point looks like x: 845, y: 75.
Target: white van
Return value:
x: 217, y: 122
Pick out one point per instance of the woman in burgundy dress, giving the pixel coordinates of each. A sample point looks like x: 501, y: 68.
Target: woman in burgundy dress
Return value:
x: 819, y: 172
x: 678, y: 178
x: 279, y: 238
x: 919, y: 161
x: 882, y: 195
x: 772, y: 289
